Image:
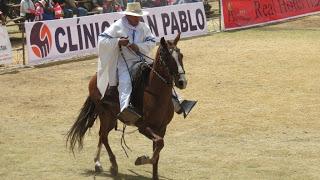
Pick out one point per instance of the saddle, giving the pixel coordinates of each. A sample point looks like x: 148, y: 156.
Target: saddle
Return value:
x: 139, y: 73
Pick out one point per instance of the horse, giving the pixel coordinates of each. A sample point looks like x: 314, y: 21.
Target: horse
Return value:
x: 167, y: 71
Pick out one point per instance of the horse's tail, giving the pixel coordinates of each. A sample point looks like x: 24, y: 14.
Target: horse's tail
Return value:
x: 84, y: 121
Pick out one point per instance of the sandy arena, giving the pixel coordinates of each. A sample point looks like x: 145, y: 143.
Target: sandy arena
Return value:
x: 257, y: 116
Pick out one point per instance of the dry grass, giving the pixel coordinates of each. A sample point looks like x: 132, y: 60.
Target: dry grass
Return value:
x: 257, y: 116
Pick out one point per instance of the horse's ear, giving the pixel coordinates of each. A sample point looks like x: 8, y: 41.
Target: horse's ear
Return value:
x: 163, y: 42
x: 177, y: 39
x: 163, y: 48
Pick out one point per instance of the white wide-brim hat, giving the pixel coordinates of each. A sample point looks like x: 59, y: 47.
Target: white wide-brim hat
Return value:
x: 43, y: 2
x: 134, y: 9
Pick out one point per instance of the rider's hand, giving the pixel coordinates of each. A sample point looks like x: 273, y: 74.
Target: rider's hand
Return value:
x: 32, y: 11
x: 123, y: 41
x: 133, y: 47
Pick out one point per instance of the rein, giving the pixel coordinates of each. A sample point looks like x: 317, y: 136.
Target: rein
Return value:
x: 175, y: 96
x: 141, y: 55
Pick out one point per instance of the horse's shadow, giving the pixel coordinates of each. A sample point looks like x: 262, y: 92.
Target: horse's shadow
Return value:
x: 120, y: 176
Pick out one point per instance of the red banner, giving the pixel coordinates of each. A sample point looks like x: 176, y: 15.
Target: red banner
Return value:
x: 246, y: 13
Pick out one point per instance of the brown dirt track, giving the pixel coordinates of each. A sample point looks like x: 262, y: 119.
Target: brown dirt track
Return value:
x: 257, y: 116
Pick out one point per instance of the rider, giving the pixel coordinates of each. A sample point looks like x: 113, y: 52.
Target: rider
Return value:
x: 132, y: 36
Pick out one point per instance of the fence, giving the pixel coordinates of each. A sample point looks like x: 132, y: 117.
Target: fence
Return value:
x: 18, y: 41
x: 20, y: 44
x: 213, y: 13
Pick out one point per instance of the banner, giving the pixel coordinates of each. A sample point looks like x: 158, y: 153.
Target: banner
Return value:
x: 66, y: 38
x: 5, y: 46
x: 247, y: 13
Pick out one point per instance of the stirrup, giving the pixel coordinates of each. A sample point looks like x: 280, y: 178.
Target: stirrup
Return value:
x: 187, y: 106
x: 129, y: 116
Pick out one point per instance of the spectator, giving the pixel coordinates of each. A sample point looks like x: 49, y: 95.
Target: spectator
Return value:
x: 113, y: 6
x: 59, y: 8
x: 98, y: 5
x: 108, y: 6
x: 60, y: 2
x: 71, y: 8
x: 3, y: 20
x: 186, y: 1
x: 58, y: 12
x: 88, y: 5
x: 48, y: 11
x: 146, y: 3
x: 3, y: 11
x: 119, y: 5
x: 27, y: 10
x: 158, y: 3
x: 39, y: 11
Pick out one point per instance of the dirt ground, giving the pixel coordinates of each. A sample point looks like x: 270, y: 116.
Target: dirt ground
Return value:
x: 257, y: 116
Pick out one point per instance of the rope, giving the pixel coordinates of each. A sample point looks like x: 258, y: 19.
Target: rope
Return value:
x: 123, y: 141
x: 175, y: 94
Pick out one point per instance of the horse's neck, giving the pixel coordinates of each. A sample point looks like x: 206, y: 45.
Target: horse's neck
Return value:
x: 156, y: 83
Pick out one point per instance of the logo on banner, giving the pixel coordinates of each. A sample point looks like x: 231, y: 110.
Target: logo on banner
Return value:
x: 40, y: 40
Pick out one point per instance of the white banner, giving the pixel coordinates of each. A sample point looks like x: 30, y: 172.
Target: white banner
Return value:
x: 66, y: 38
x: 5, y: 46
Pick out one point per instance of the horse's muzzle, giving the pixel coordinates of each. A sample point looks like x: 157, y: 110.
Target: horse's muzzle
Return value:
x: 182, y: 83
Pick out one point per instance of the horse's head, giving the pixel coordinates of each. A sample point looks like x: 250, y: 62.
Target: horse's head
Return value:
x: 172, y: 57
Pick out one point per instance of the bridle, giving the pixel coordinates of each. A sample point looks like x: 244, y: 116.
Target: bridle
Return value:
x: 177, y: 50
x: 173, y: 74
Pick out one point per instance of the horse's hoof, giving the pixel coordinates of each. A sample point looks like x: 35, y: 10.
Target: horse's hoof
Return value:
x: 114, y: 170
x: 98, y: 168
x: 142, y: 160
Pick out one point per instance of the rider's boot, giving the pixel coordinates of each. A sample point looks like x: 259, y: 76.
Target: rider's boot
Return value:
x: 111, y: 96
x: 129, y: 115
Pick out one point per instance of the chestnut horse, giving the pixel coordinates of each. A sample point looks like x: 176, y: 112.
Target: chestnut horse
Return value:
x: 157, y: 109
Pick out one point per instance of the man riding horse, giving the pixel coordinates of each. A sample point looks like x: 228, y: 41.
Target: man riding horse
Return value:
x: 125, y: 44
x: 121, y: 46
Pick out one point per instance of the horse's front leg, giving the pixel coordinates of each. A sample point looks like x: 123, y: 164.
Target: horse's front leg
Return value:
x: 155, y: 165
x: 158, y: 145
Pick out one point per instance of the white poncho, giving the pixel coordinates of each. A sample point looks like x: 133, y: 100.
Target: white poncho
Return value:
x: 109, y: 54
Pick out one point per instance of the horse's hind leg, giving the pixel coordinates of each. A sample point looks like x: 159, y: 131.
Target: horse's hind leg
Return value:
x: 98, y: 167
x: 107, y: 124
x: 95, y: 97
